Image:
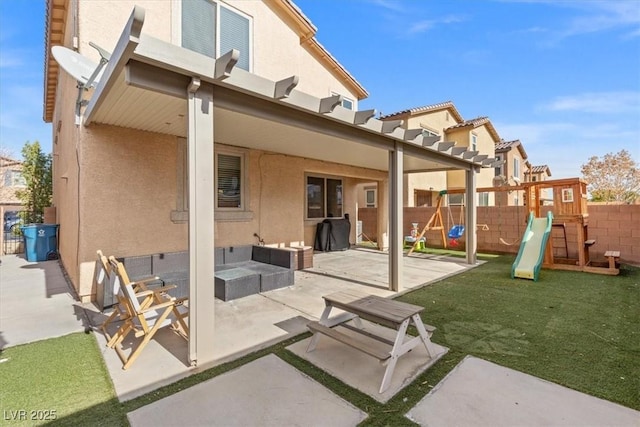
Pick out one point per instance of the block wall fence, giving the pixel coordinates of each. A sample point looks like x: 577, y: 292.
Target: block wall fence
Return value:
x: 614, y: 227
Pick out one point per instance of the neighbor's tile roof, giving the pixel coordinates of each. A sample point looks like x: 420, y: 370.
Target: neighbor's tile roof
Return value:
x: 477, y: 122
x: 448, y: 105
x: 541, y: 169
x: 504, y: 146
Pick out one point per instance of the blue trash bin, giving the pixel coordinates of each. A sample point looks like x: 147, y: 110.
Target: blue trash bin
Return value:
x: 40, y: 241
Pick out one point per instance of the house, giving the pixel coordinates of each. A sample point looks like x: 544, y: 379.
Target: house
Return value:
x: 538, y: 173
x: 203, y: 136
x: 511, y: 171
x: 11, y: 180
x: 443, y: 120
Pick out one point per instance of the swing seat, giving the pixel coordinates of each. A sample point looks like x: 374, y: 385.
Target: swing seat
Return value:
x: 456, y: 232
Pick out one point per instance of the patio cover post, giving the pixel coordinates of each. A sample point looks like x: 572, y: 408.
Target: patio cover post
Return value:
x: 201, y: 220
x: 471, y: 215
x: 396, y: 238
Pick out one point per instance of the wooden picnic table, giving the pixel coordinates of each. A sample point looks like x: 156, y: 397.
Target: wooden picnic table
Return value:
x: 394, y: 314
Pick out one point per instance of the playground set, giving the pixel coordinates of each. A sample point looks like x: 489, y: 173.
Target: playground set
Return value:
x: 549, y: 219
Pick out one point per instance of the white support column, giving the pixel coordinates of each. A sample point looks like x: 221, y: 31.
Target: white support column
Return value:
x: 382, y: 230
x: 471, y: 216
x: 201, y: 235
x: 395, y: 217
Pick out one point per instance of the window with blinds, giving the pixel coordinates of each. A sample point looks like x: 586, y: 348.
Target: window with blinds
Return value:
x: 229, y: 181
x: 212, y: 29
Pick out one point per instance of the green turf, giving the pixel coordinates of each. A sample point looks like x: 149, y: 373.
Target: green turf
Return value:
x: 60, y: 379
x: 575, y: 329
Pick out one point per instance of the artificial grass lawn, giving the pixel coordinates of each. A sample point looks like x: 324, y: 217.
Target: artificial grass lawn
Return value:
x: 575, y: 329
x: 59, y: 380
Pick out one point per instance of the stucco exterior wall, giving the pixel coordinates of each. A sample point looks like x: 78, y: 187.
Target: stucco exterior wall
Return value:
x: 277, y: 52
x: 485, y: 145
x: 435, y: 121
x: 129, y: 187
x: 514, y: 198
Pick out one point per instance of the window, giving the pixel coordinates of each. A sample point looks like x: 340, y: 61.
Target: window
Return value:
x: 229, y: 181
x: 346, y: 102
x: 14, y: 179
x: 428, y: 132
x: 483, y: 199
x: 516, y: 168
x: 534, y: 178
x: 499, y: 169
x: 421, y: 198
x: 370, y: 196
x: 474, y: 142
x: 213, y: 29
x: 324, y: 197
x: 455, y: 199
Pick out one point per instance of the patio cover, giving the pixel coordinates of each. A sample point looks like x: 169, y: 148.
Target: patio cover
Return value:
x: 155, y: 86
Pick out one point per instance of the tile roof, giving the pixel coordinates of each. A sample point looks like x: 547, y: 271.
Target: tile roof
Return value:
x: 477, y: 122
x: 504, y: 146
x: 540, y: 169
x: 427, y: 108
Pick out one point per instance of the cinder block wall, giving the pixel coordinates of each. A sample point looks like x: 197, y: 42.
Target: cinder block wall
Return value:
x: 614, y: 227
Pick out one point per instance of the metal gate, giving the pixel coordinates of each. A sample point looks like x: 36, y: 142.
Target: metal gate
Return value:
x: 12, y: 244
x: 12, y: 241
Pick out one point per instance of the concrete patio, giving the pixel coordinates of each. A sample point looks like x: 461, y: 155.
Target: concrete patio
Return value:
x: 269, y: 391
x: 258, y: 321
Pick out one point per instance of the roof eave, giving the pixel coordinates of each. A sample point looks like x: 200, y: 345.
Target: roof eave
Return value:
x: 55, y: 24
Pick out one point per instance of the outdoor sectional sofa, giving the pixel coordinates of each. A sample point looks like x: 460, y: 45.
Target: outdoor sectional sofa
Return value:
x: 239, y: 271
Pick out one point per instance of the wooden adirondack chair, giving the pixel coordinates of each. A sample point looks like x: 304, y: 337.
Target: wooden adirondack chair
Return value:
x: 111, y: 283
x: 147, y: 310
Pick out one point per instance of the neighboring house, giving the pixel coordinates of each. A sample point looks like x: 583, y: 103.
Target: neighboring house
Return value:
x: 512, y: 171
x: 479, y: 135
x: 445, y: 121
x: 11, y: 180
x: 538, y: 173
x: 203, y: 136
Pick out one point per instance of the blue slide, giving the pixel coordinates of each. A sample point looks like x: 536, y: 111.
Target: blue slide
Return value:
x: 529, y: 260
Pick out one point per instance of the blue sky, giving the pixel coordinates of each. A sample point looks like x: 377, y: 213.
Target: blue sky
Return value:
x: 561, y: 76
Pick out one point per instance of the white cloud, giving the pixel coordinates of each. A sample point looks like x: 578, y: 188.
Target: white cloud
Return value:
x: 603, y: 102
x: 565, y: 146
x: 427, y: 24
x: 11, y: 58
x: 594, y: 16
x: 393, y: 5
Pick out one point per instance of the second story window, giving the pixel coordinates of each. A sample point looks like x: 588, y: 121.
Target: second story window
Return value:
x: 499, y: 169
x: 346, y: 102
x: 213, y: 29
x: 14, y: 178
x: 516, y: 167
x: 474, y: 142
x: 429, y: 132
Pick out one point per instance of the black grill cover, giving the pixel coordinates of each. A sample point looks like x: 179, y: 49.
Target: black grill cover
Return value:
x: 333, y: 235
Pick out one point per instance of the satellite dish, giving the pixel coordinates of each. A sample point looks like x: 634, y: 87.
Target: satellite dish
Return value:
x: 82, y: 69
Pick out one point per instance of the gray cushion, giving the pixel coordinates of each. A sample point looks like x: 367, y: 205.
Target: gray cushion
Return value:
x: 234, y: 254
x: 236, y: 283
x: 170, y: 262
x: 261, y: 254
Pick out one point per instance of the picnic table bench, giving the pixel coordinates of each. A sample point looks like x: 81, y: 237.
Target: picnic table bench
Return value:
x: 393, y: 314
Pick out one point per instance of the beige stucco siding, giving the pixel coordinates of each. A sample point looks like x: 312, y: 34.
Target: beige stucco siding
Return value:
x: 436, y: 121
x: 129, y: 185
x: 277, y: 52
